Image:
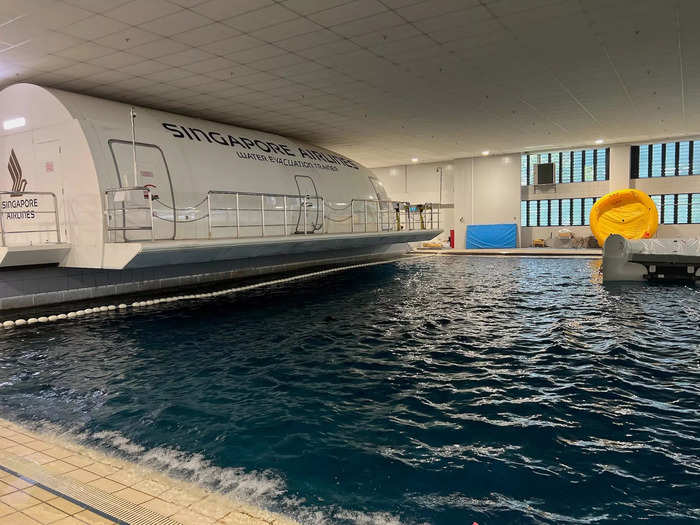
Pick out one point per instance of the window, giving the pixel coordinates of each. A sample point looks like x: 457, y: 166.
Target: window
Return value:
x: 554, y: 212
x: 683, y: 212
x: 569, y: 166
x: 695, y: 208
x: 560, y: 212
x: 670, y: 159
x: 644, y: 162
x: 656, y: 159
x: 544, y: 212
x: 566, y: 167
x: 577, y: 212
x: 587, y: 206
x: 577, y: 167
x: 601, y: 164
x: 588, y: 175
x: 566, y: 212
x: 678, y: 208
x: 532, y: 214
x: 668, y: 209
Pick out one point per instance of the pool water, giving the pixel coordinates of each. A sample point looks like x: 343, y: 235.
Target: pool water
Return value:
x: 441, y: 390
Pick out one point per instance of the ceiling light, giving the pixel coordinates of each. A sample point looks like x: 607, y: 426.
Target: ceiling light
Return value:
x: 14, y: 123
x: 414, y: 159
x: 485, y: 152
x: 599, y: 141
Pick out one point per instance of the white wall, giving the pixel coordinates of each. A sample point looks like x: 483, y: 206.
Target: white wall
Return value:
x: 487, y: 190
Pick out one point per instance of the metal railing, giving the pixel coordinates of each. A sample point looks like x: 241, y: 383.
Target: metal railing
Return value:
x: 30, y: 205
x: 392, y: 216
x: 237, y: 214
x: 125, y: 211
x: 248, y: 214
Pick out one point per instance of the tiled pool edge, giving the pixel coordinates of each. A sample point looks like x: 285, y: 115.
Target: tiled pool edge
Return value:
x: 148, y: 495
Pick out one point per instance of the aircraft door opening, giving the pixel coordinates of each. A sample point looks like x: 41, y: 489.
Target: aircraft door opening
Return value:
x: 310, y: 217
x: 152, y: 173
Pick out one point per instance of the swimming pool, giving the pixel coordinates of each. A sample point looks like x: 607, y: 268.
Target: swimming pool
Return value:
x: 442, y: 390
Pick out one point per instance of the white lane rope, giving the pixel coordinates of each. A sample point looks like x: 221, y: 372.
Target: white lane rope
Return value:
x: 150, y: 302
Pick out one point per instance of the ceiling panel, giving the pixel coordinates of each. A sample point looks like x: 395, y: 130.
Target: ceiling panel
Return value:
x: 380, y: 80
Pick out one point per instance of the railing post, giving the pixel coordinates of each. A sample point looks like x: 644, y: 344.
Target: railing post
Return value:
x: 379, y: 213
x: 238, y: 219
x: 209, y: 213
x: 262, y: 213
x: 365, y: 209
x: 2, y: 227
x: 108, y: 233
x: 285, y: 214
x: 150, y: 206
x: 55, y: 214
x: 352, y: 216
x: 306, y: 229
x: 323, y: 215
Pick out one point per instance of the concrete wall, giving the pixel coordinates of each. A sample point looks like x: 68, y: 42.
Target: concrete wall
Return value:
x: 487, y: 190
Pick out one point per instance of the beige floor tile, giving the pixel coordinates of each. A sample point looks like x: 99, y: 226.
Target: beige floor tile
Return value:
x: 180, y: 497
x: 59, y: 467
x: 20, y: 450
x: 40, y: 458
x: 188, y: 517
x: 5, y: 509
x: 78, y: 460
x: 58, y: 452
x: 6, y: 443
x: 134, y: 496
x: 18, y: 519
x: 238, y: 518
x: 151, y: 487
x: 39, y: 493
x: 164, y: 508
x: 92, y: 518
x: 84, y: 476
x: 65, y: 505
x: 6, y: 489
x: 44, y: 513
x: 19, y: 500
x: 213, y: 506
x: 107, y: 485
x: 126, y: 477
x: 101, y: 468
x: 70, y: 520
x: 22, y: 438
x: 39, y: 445
x: 17, y: 482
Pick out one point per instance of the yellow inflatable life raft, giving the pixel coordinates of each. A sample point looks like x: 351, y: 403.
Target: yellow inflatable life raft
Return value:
x: 630, y: 213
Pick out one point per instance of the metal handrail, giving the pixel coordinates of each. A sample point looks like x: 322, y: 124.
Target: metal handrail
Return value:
x: 109, y: 211
x: 305, y: 202
x: 251, y: 214
x: 427, y: 215
x: 54, y: 211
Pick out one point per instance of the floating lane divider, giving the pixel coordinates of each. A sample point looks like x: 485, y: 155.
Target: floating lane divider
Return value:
x: 150, y: 302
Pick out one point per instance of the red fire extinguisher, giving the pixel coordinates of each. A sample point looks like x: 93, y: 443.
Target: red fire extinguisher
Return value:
x: 452, y: 238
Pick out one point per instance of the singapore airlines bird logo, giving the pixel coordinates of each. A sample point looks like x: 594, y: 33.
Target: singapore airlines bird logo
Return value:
x: 18, y: 183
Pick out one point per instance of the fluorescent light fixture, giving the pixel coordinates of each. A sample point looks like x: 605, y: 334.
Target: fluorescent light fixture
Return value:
x: 414, y: 159
x: 485, y: 152
x: 599, y: 141
x: 14, y: 123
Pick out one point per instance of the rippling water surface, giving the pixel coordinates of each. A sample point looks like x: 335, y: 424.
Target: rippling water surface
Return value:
x: 444, y: 390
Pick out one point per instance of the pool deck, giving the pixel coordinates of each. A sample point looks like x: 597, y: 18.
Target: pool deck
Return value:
x: 44, y: 479
x: 519, y: 252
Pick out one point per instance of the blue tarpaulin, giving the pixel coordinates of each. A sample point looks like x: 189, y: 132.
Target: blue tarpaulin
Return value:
x: 492, y: 236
